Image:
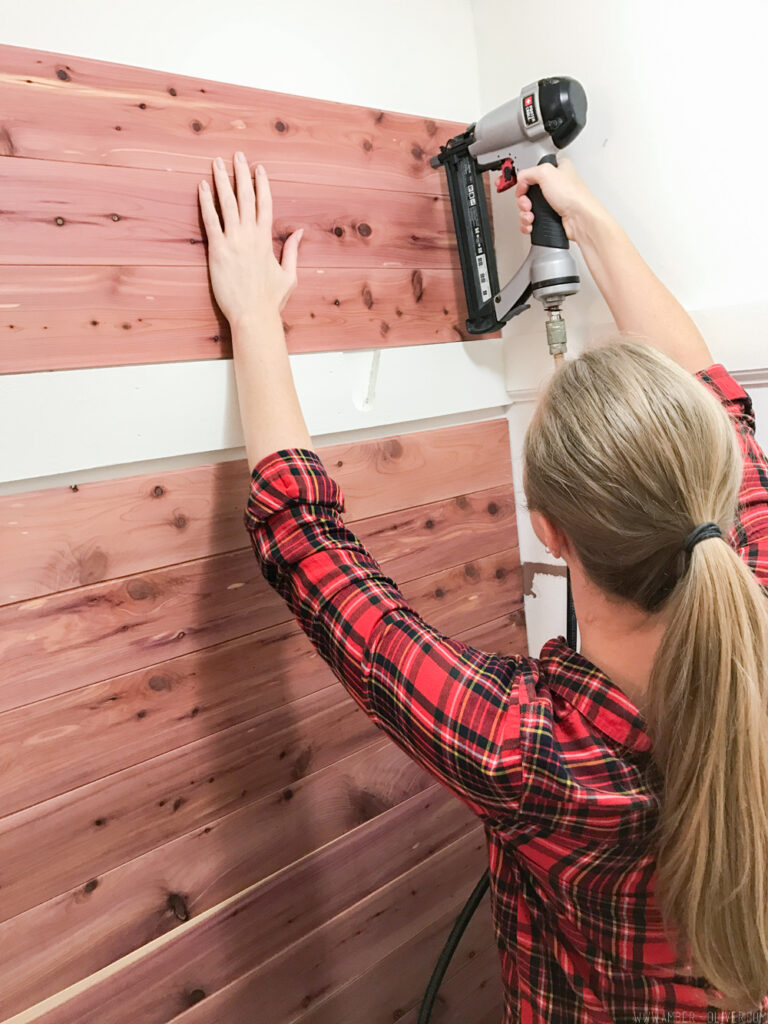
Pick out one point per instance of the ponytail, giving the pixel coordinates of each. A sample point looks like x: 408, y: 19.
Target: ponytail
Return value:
x: 626, y: 454
x: 706, y: 708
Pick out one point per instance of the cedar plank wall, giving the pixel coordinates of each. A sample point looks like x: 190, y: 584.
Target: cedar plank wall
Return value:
x: 102, y: 254
x: 192, y: 805
x: 196, y: 822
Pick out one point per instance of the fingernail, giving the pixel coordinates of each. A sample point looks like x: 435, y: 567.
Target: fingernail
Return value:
x: 240, y: 157
x: 219, y: 163
x: 204, y: 186
x: 301, y: 233
x: 259, y: 169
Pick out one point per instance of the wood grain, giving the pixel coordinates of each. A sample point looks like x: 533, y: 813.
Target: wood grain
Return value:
x: 54, y: 103
x: 117, y: 818
x: 396, y: 984
x: 62, y: 213
x: 158, y: 982
x: 55, y: 644
x: 72, y: 317
x: 103, y: 242
x: 351, y: 943
x: 133, y: 717
x: 106, y: 529
x: 50, y: 946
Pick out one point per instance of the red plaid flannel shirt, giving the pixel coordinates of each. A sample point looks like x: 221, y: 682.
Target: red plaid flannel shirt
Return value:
x: 547, y: 751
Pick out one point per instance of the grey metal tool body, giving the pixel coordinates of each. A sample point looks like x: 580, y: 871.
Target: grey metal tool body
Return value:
x: 521, y: 133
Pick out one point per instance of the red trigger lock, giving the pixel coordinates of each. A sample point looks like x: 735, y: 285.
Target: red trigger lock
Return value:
x: 507, y: 178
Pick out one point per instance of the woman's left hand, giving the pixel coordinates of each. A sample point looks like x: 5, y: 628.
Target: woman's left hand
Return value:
x: 246, y: 278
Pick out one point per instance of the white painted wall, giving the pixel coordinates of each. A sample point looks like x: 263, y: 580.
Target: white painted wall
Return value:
x: 675, y: 146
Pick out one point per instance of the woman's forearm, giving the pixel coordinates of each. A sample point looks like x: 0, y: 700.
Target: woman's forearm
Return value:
x: 269, y: 406
x: 641, y: 305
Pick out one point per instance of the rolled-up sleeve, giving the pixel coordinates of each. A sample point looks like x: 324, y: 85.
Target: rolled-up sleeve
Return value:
x: 452, y: 708
x: 749, y: 533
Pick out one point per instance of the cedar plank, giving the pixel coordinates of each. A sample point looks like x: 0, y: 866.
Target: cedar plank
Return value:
x: 50, y: 645
x: 155, y: 984
x: 297, y: 138
x: 111, y: 528
x: 62, y: 213
x: 72, y: 317
x: 115, y: 819
x: 128, y: 719
x: 51, y: 946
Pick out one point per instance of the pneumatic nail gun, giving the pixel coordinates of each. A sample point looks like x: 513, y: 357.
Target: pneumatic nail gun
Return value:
x: 528, y: 130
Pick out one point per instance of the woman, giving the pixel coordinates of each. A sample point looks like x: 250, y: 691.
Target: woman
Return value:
x: 624, y: 789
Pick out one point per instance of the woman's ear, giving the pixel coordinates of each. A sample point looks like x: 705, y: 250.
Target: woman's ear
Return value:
x: 549, y: 535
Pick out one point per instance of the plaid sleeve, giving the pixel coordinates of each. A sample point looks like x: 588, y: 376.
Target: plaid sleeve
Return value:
x: 452, y: 708
x: 749, y: 534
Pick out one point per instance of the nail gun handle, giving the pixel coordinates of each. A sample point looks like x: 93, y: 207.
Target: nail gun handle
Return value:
x: 547, y: 226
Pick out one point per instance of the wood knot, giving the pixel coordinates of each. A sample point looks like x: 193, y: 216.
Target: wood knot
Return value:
x: 439, y: 592
x: 126, y: 326
x: 367, y: 297
x: 281, y: 126
x: 364, y: 230
x: 178, y: 906
x: 195, y: 996
x: 158, y: 491
x: 430, y: 126
x: 142, y: 106
x: 383, y: 328
x: 172, y: 91
x: 178, y: 802
x: 392, y: 448
x: 90, y: 886
x: 493, y: 508
x: 100, y: 822
x: 196, y: 126
x: 417, y: 152
x: 62, y: 74
x: 500, y: 573
x: 367, y: 145
x: 115, y: 216
x: 139, y: 590
x: 180, y: 521
x: 470, y: 571
x: 60, y: 221
x: 429, y: 525
x: 338, y: 231
x: 417, y: 285
x: 287, y: 794
x: 74, y: 487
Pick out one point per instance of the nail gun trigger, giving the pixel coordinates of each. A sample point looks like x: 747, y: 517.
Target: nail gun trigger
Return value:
x: 507, y: 178
x: 516, y: 311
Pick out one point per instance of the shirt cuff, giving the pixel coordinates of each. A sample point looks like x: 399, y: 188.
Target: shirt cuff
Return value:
x: 291, y: 476
x: 722, y: 383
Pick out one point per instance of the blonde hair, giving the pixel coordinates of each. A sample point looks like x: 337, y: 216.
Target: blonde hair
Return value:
x: 626, y: 454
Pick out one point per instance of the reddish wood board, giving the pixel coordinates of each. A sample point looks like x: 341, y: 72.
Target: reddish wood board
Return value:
x: 101, y: 241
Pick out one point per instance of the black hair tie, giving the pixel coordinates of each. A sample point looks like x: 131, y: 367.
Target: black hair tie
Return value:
x: 701, y: 532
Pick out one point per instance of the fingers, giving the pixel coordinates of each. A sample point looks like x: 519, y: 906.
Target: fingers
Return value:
x: 526, y: 217
x: 263, y: 199
x: 227, y: 201
x: 290, y: 253
x: 208, y: 212
x: 246, y: 197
